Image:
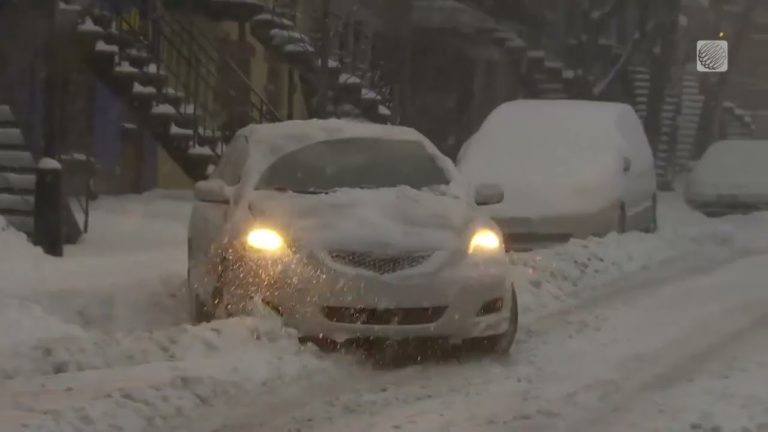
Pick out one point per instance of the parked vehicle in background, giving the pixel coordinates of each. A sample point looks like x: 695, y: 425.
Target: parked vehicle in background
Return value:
x: 568, y: 168
x: 730, y: 178
x: 349, y: 231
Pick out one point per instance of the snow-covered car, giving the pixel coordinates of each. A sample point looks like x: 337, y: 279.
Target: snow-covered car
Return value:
x: 567, y: 168
x: 730, y: 178
x: 349, y: 231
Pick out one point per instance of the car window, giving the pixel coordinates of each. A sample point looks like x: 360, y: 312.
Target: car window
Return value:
x: 355, y: 163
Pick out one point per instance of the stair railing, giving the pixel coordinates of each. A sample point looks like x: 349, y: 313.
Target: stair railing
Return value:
x: 193, y: 66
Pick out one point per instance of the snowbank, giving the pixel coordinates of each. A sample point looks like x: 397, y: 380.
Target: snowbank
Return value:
x: 97, y: 340
x: 553, y: 278
x: 547, y: 157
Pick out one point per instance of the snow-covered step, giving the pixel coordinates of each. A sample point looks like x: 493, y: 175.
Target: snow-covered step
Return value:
x: 90, y: 28
x: 17, y: 182
x: 16, y: 203
x: 11, y: 137
x: 16, y: 159
x: 105, y: 48
x: 137, y: 54
x: 6, y: 116
x: 348, y: 79
x: 178, y: 132
x: 368, y: 94
x: 164, y: 110
x: 141, y: 90
x: 125, y: 68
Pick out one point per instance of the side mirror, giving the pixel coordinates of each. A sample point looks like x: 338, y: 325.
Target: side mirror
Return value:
x: 627, y: 164
x: 213, y: 191
x: 488, y: 194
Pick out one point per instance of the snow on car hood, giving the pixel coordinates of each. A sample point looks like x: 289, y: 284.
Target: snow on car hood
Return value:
x: 383, y: 220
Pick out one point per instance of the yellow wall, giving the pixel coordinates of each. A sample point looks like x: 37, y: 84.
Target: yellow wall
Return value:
x: 169, y: 175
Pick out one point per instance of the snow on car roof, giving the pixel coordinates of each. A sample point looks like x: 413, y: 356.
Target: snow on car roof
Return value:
x: 552, y: 157
x: 269, y: 141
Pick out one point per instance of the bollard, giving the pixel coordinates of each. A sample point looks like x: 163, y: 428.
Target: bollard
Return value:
x: 49, y: 233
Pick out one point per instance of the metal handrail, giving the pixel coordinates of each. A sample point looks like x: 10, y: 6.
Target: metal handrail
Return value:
x: 194, y: 69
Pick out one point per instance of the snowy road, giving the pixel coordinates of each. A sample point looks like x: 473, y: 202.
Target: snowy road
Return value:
x: 665, y: 352
x: 635, y: 332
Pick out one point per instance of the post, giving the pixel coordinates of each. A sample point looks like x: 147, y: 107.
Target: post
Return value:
x: 321, y: 107
x: 48, y: 188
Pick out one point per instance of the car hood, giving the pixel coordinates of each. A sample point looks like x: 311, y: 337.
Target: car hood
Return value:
x: 382, y: 220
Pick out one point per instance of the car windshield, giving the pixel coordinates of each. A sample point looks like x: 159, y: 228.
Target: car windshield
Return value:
x: 359, y: 163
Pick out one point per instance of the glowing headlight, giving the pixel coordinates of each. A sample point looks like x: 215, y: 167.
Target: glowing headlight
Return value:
x: 484, y: 240
x: 265, y: 239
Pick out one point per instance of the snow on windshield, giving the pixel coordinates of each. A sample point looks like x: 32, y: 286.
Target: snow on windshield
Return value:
x: 366, y: 163
x: 550, y: 157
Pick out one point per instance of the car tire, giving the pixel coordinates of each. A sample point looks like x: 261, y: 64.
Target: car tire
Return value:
x: 501, y: 343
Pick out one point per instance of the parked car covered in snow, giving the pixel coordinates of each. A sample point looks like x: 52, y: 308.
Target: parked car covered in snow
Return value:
x: 730, y: 178
x: 567, y: 169
x: 348, y: 231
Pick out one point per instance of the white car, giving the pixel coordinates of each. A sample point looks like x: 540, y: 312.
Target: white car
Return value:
x: 349, y: 231
x: 568, y: 168
x: 730, y: 178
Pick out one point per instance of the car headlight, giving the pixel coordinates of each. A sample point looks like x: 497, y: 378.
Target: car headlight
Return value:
x: 265, y: 239
x: 484, y: 240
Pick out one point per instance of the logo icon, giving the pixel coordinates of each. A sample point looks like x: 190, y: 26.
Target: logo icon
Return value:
x: 712, y: 56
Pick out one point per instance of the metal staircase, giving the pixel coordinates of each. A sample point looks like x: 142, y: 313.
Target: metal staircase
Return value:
x: 666, y: 148
x: 175, y: 82
x: 18, y: 179
x: 356, y: 89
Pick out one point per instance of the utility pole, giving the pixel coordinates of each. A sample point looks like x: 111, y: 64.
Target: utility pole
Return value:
x: 48, y: 227
x: 321, y: 107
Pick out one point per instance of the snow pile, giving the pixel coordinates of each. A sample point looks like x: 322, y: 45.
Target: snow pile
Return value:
x: 97, y: 340
x: 731, y: 167
x: 548, y: 157
x: 552, y: 278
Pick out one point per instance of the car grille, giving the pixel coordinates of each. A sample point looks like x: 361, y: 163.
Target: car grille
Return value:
x: 398, y: 316
x: 380, y: 264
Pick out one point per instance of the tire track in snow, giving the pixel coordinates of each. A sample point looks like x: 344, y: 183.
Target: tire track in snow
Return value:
x: 690, y: 356
x: 272, y: 410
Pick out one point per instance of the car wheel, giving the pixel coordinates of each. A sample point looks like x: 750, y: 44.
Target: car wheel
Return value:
x: 501, y: 343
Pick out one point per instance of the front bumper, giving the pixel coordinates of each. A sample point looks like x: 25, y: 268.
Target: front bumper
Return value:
x: 465, y: 300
